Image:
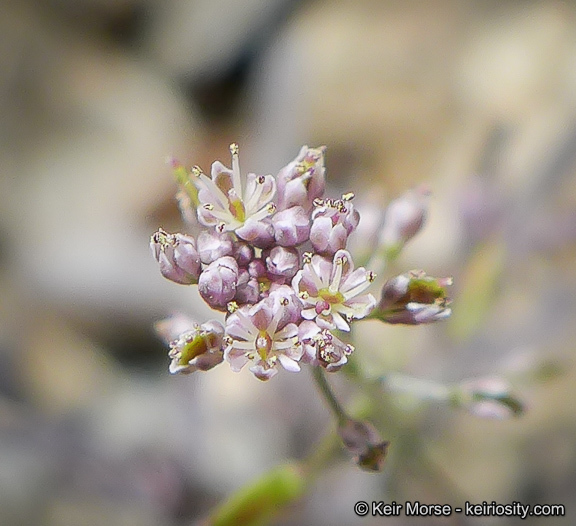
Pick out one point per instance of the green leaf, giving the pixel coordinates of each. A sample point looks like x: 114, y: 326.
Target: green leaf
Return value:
x: 259, y: 502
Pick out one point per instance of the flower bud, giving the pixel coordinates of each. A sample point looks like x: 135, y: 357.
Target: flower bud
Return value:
x: 292, y: 306
x: 333, y: 220
x: 291, y: 226
x: 257, y: 268
x: 247, y: 289
x: 303, y: 180
x: 243, y: 253
x: 413, y: 298
x: 198, y: 349
x: 214, y: 245
x: 403, y: 219
x: 217, y: 283
x: 283, y: 262
x: 363, y: 441
x: 259, y: 233
x: 177, y: 255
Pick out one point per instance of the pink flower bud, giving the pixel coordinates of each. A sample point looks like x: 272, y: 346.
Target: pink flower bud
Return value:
x: 404, y: 218
x: 291, y: 226
x: 243, y: 253
x: 413, y: 298
x: 257, y: 268
x: 303, y: 180
x: 177, y: 256
x: 287, y: 298
x: 214, y: 245
x: 259, y: 233
x: 283, y: 262
x: 333, y: 220
x: 247, y: 289
x: 217, y: 283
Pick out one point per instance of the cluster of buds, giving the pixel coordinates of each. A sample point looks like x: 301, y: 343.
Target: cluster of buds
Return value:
x: 273, y: 257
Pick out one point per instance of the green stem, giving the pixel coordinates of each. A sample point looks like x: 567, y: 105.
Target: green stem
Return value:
x: 328, y: 395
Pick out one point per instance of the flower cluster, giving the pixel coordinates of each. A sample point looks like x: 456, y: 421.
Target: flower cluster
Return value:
x: 272, y: 256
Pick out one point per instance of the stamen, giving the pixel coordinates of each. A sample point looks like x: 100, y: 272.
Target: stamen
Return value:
x: 371, y: 276
x: 307, y: 258
x: 348, y: 197
x: 304, y: 295
x: 261, y: 179
x: 197, y: 171
x: 208, y: 206
x: 236, y: 181
x: 335, y: 285
x: 232, y: 307
x: 318, y: 202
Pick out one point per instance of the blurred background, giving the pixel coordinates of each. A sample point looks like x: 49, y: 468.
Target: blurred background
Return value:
x: 477, y: 99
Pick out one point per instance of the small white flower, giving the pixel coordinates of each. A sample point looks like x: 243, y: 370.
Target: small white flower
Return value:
x: 330, y: 291
x: 225, y: 202
x: 260, y: 334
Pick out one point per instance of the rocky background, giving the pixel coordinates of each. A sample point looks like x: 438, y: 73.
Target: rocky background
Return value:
x: 477, y: 99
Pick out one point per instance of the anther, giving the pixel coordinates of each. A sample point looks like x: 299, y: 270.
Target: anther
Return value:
x: 348, y: 197
x: 234, y: 148
x: 196, y: 171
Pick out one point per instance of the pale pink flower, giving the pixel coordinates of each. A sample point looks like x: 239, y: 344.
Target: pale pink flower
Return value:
x: 259, y: 334
x: 331, y: 290
x: 228, y: 203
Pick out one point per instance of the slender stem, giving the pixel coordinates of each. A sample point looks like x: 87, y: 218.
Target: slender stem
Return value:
x: 328, y: 395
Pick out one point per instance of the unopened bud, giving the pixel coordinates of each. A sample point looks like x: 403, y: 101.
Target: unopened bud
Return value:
x: 258, y: 233
x: 177, y: 256
x: 291, y: 226
x: 303, y: 180
x: 283, y: 262
x: 213, y: 245
x: 247, y: 289
x: 413, y: 298
x: 217, y: 283
x: 403, y: 219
